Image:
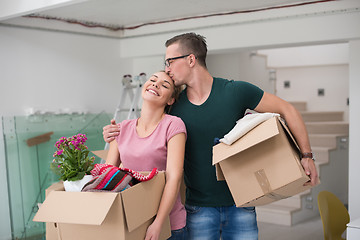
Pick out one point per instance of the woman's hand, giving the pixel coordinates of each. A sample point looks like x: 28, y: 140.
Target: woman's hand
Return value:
x: 153, y: 231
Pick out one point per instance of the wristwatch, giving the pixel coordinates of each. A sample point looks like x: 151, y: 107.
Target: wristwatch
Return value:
x: 307, y: 155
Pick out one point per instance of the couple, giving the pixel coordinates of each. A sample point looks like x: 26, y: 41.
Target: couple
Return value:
x: 209, y: 107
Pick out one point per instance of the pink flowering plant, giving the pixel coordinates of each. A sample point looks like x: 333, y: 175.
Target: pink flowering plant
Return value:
x: 71, y: 159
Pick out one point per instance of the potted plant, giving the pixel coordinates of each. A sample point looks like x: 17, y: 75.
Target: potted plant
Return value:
x: 72, y: 162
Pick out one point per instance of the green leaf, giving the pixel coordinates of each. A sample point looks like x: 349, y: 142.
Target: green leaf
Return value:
x: 78, y: 176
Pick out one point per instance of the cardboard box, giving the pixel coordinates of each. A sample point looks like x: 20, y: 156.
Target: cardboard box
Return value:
x: 98, y: 215
x: 103, y: 155
x: 262, y: 166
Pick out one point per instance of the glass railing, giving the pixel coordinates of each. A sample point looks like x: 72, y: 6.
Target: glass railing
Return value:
x: 29, y: 146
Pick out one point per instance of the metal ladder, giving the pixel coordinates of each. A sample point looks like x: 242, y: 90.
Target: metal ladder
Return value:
x: 132, y: 88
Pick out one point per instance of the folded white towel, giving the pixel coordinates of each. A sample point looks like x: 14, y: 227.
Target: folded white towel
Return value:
x: 245, y: 124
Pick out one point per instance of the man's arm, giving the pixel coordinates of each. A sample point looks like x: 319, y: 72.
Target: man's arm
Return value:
x: 110, y: 131
x: 274, y: 104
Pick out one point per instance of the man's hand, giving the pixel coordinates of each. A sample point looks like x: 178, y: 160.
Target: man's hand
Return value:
x: 110, y: 131
x: 310, y: 170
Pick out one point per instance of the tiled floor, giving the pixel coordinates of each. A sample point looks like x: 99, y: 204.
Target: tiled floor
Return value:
x: 312, y: 230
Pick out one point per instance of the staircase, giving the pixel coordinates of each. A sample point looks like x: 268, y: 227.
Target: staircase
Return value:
x: 328, y: 135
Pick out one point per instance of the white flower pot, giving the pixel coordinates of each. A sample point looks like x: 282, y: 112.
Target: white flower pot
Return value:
x: 76, y: 186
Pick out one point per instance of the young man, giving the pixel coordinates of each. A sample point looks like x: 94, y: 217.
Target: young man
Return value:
x: 210, y: 108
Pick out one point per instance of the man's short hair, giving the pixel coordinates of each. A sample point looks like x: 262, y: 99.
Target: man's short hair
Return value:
x: 191, y: 43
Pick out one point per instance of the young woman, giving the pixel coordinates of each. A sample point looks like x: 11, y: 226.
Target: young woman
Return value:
x: 156, y: 139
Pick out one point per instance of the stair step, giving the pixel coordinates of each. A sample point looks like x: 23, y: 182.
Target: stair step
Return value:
x: 293, y: 201
x: 322, y: 116
x: 321, y: 155
x: 300, y: 106
x: 280, y: 215
x: 324, y: 140
x: 327, y: 127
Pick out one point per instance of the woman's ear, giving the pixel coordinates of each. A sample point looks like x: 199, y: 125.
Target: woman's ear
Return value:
x: 171, y: 101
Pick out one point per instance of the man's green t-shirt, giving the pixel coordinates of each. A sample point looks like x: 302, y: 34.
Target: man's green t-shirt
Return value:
x: 214, y: 118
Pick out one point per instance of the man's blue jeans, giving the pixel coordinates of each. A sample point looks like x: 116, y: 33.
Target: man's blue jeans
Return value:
x: 229, y: 223
x: 178, y: 234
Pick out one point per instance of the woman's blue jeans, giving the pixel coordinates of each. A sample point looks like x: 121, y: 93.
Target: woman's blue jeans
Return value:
x: 229, y: 223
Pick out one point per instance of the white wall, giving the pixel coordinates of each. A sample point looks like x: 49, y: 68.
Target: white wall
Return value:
x: 315, y: 55
x: 148, y: 65
x: 354, y: 139
x: 305, y: 82
x: 244, y: 65
x: 309, y: 68
x: 225, y: 65
x: 52, y: 71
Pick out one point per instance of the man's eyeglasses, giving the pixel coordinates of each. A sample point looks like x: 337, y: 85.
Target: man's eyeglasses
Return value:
x: 167, y: 61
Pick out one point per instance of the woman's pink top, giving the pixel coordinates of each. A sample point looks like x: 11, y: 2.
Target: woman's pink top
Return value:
x: 144, y: 154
